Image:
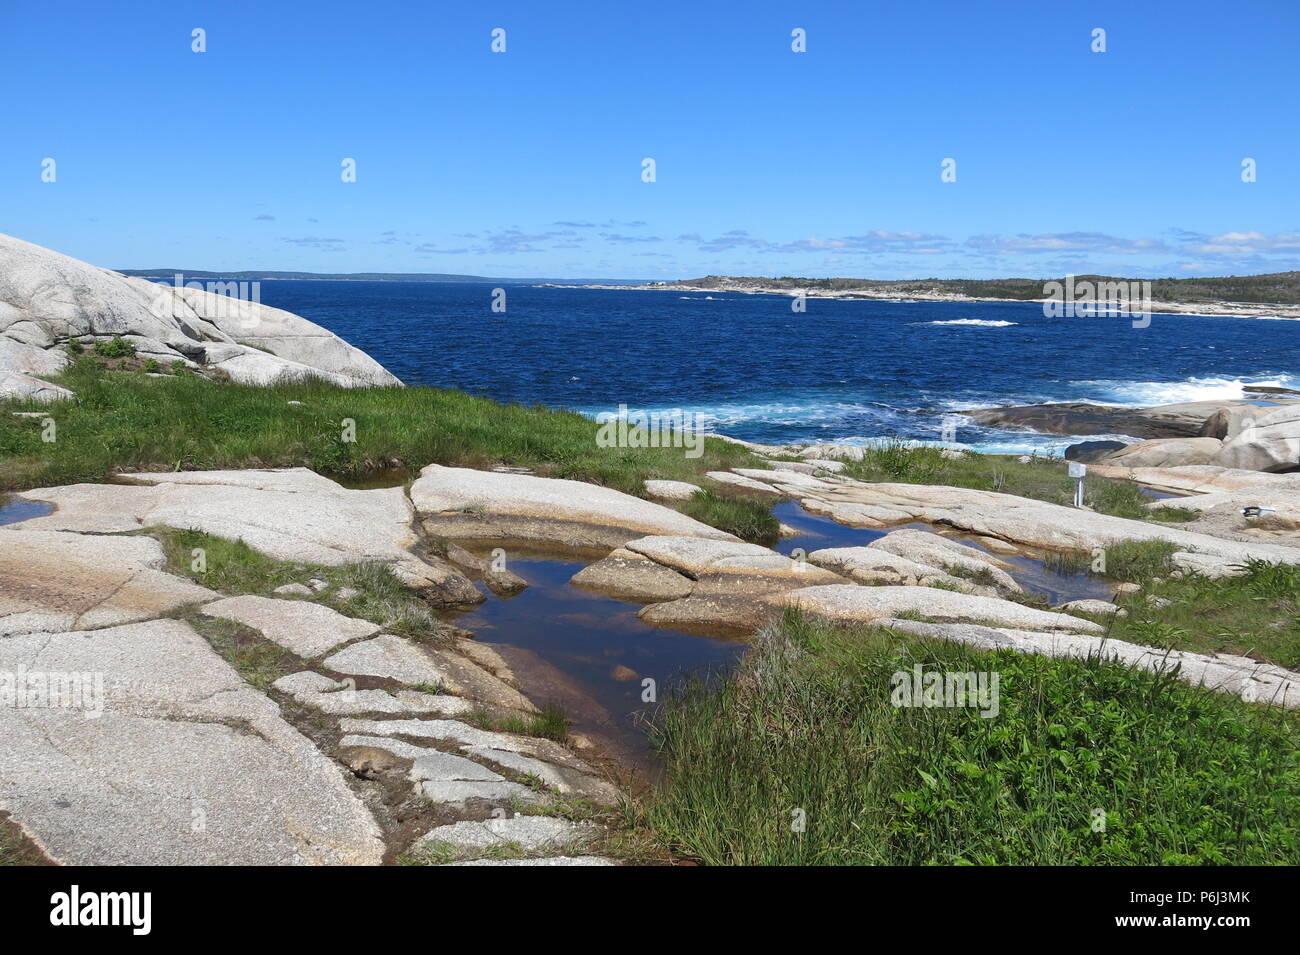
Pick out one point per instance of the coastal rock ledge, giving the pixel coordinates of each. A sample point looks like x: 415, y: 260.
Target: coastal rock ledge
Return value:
x: 48, y: 300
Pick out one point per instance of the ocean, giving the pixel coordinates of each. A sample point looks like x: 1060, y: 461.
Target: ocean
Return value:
x: 847, y: 371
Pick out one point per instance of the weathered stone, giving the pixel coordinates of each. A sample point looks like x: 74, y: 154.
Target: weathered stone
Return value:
x: 291, y: 514
x: 866, y: 604
x: 404, y: 660
x: 564, y: 779
x: 181, y: 741
x: 869, y: 565
x: 1099, y: 607
x: 1090, y: 452
x: 547, y: 860
x: 626, y: 575
x: 48, y: 299
x: 1037, y: 524
x: 834, y: 467
x: 293, y: 590
x: 957, y: 559
x: 461, y: 734
x: 1196, y: 479
x: 833, y: 452
x: 337, y: 697
x: 300, y: 626
x: 394, y: 658
x: 465, y: 504
x: 709, y: 614
x: 671, y: 490
x: 55, y: 581
x: 530, y: 833
x: 744, y: 483
x: 1185, y: 419
x: 1268, y: 442
x: 500, y: 580
x: 1165, y: 452
x: 1249, y: 679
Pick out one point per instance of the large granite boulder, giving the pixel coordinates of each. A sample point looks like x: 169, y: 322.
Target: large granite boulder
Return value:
x: 1267, y: 442
x: 48, y: 299
x: 1165, y: 453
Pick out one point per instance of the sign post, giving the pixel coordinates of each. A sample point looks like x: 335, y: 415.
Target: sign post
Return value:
x: 1077, y: 471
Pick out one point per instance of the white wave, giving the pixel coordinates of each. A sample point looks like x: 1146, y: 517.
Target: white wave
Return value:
x: 969, y: 321
x: 1146, y: 393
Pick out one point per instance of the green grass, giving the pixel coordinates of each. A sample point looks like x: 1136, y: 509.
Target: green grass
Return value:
x: 1043, y: 479
x: 444, y: 853
x: 232, y: 567
x: 1256, y: 614
x: 258, y: 661
x: 14, y: 849
x: 116, y: 347
x: 745, y: 517
x: 1183, y: 775
x: 551, y: 722
x: 127, y: 421
x: 1126, y: 561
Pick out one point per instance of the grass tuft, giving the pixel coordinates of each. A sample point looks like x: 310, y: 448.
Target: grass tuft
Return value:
x: 805, y: 732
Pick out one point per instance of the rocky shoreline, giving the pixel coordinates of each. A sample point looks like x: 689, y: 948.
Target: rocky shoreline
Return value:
x: 894, y: 292
x: 320, y: 708
x: 387, y: 723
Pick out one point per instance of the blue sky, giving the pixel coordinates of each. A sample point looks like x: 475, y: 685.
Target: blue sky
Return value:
x: 768, y: 162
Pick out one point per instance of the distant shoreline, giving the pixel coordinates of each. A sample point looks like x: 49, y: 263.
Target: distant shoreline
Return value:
x: 1203, y: 309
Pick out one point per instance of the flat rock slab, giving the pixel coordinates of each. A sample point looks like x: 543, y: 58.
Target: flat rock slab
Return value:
x: 850, y: 602
x: 869, y: 565
x: 936, y: 551
x: 1195, y: 479
x: 671, y: 490
x: 185, y: 765
x: 56, y: 581
x: 1251, y: 680
x: 441, y: 781
x: 564, y: 779
x: 404, y: 660
x: 305, y: 628
x: 1093, y: 606
x: 465, y: 737
x: 394, y: 658
x: 1033, y: 523
x: 625, y: 575
x: 464, y: 503
x: 291, y: 514
x: 339, y: 698
x: 530, y: 833
x: 744, y: 483
x: 546, y: 860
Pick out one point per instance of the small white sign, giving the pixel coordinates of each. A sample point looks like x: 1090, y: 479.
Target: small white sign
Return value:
x: 1078, y: 469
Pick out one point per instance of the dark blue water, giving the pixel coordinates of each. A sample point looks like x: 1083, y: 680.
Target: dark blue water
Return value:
x: 842, y: 371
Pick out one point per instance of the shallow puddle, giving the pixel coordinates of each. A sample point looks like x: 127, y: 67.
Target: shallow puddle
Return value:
x: 590, y: 653
x: 13, y: 510
x: 817, y: 532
